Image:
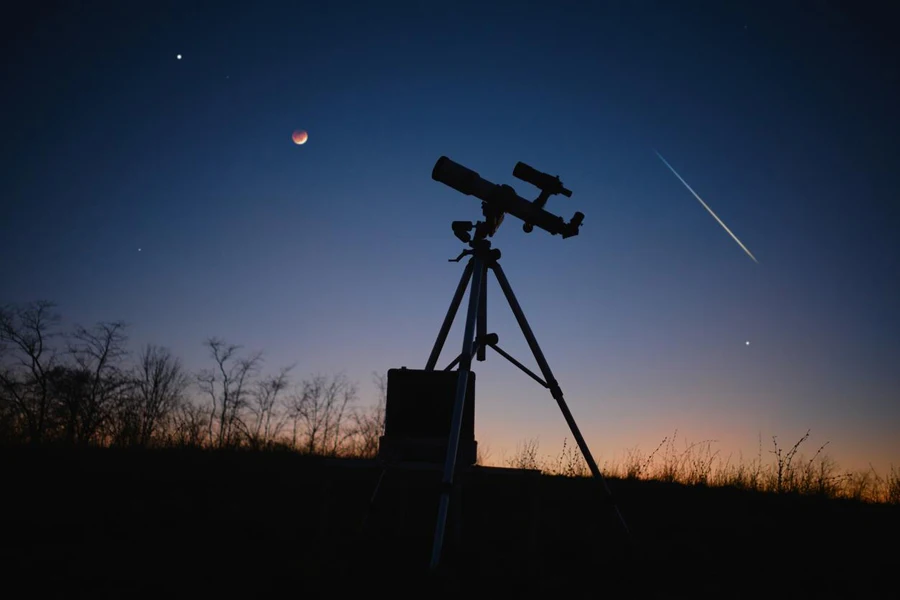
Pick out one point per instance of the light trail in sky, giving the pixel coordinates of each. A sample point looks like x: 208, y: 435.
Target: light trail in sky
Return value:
x: 725, y: 227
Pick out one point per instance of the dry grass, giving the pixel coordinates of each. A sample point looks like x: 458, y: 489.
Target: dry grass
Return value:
x: 779, y: 470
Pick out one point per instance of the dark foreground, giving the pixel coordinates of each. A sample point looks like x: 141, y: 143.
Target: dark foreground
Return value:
x: 162, y: 524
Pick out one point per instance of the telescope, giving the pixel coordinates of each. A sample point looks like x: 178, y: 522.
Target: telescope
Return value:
x: 497, y: 200
x: 419, y: 406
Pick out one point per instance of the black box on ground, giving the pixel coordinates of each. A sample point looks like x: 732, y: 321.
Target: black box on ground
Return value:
x: 419, y: 413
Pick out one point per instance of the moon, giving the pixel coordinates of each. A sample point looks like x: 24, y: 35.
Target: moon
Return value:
x: 300, y: 137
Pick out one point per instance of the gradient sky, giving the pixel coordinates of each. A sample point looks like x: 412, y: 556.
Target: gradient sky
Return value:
x: 333, y: 255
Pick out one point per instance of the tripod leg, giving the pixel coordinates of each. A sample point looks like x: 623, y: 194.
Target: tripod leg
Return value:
x: 553, y: 384
x: 451, y: 314
x: 481, y: 324
x: 465, y: 366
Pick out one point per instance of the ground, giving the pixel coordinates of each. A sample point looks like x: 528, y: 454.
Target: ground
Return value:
x: 188, y: 523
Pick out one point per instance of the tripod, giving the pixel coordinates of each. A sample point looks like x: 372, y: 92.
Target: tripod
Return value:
x: 475, y: 342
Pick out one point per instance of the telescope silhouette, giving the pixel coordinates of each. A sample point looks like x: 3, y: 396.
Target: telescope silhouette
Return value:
x: 497, y: 200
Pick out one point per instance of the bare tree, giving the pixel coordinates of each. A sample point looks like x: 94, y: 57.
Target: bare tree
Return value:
x: 268, y: 421
x: 70, y: 389
x: 158, y: 386
x: 26, y: 358
x: 189, y: 426
x: 98, y: 354
x: 9, y: 430
x: 318, y: 412
x: 368, y: 423
x: 227, y: 386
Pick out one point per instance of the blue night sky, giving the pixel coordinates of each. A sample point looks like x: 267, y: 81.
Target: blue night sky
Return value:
x: 333, y: 255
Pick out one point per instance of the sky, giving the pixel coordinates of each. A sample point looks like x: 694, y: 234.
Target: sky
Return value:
x: 168, y: 193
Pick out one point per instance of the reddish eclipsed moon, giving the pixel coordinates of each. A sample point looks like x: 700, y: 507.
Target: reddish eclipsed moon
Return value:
x: 300, y: 137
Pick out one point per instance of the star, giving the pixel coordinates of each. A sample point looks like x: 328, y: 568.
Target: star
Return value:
x: 139, y: 249
x: 178, y: 56
x: 747, y: 342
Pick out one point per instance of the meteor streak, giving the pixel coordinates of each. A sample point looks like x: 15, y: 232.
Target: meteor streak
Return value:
x: 706, y: 207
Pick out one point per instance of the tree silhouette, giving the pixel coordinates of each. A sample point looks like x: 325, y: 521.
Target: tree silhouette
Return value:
x: 227, y: 386
x: 26, y: 359
x: 268, y: 421
x: 319, y: 411
x: 70, y: 389
x: 158, y: 385
x: 189, y: 426
x: 98, y: 354
x: 368, y: 423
